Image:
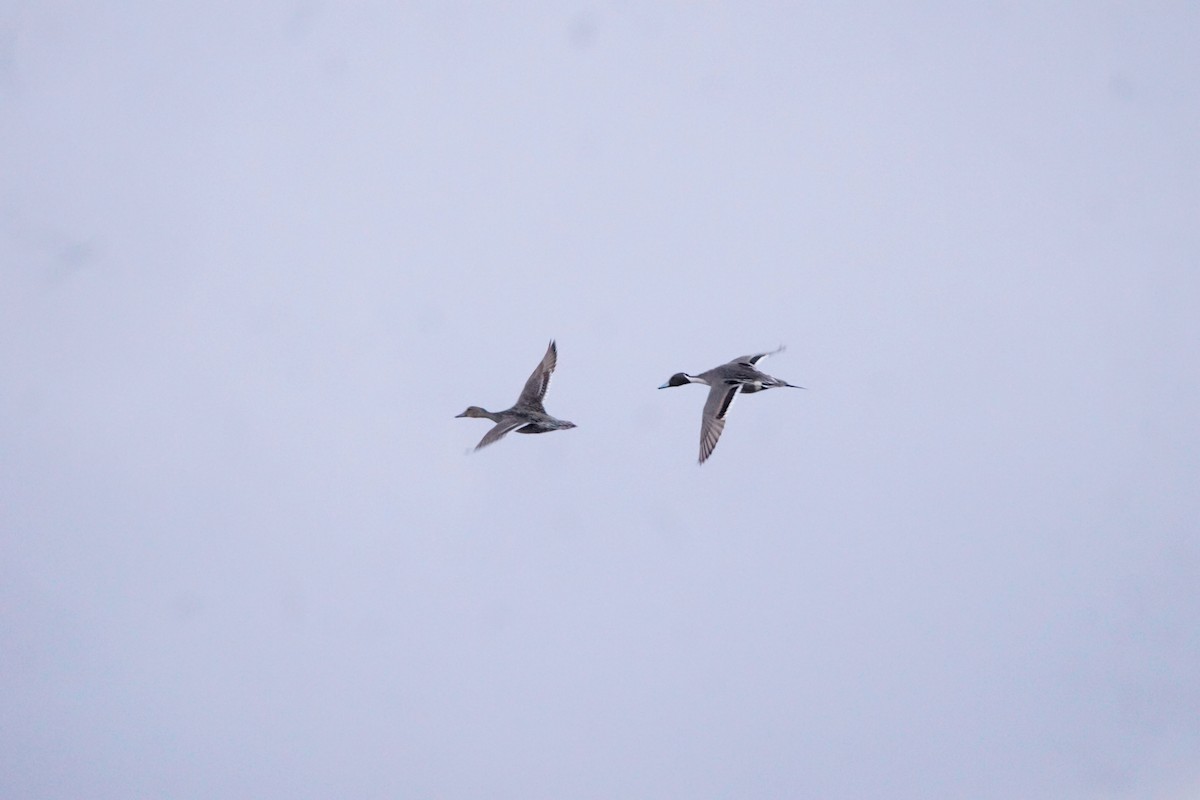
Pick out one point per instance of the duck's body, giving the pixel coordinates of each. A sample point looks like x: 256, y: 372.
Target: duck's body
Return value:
x: 724, y: 382
x: 527, y: 415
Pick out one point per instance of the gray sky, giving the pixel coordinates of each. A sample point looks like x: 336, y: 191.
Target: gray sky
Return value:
x: 253, y: 262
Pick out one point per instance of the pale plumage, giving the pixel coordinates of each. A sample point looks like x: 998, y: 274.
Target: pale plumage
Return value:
x: 527, y: 415
x: 724, y: 383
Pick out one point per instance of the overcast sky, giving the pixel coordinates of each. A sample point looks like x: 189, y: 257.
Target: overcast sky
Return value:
x: 254, y: 260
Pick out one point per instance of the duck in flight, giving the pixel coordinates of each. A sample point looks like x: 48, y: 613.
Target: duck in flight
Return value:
x: 527, y: 415
x: 724, y: 382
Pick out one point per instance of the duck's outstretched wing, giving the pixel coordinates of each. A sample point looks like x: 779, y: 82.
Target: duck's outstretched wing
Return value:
x: 754, y: 359
x: 712, y: 421
x: 539, y: 381
x: 498, y: 431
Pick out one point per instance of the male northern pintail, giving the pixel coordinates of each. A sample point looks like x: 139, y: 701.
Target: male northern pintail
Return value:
x: 724, y: 382
x: 527, y: 415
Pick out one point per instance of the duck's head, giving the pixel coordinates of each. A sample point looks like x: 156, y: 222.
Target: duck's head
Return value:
x: 678, y: 379
x: 473, y: 411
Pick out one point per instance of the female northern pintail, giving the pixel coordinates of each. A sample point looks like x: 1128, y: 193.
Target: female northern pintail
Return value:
x: 725, y: 381
x: 527, y: 415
